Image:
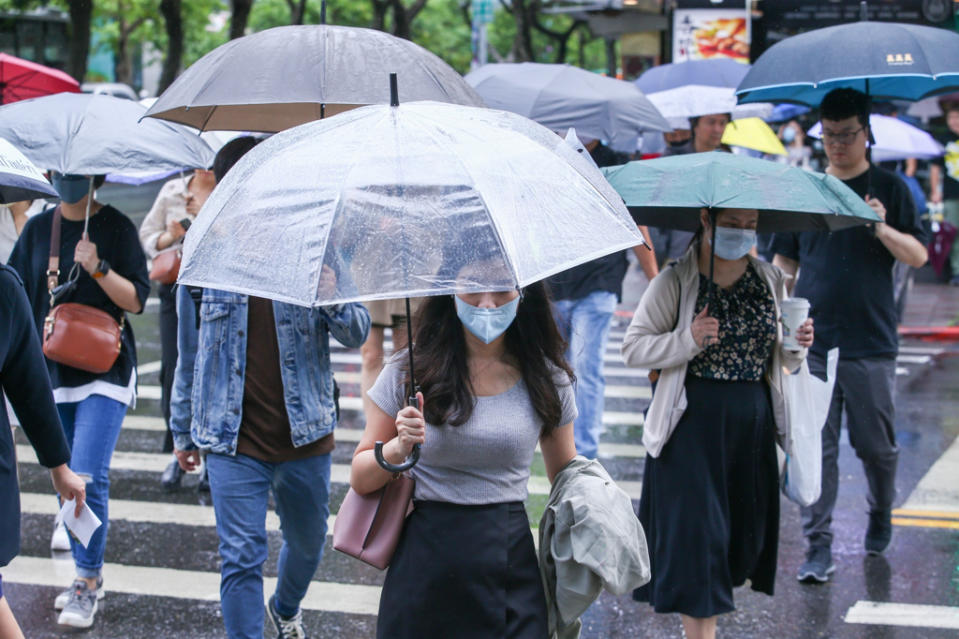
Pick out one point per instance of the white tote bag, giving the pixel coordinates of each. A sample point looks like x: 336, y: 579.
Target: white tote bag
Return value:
x: 807, y: 401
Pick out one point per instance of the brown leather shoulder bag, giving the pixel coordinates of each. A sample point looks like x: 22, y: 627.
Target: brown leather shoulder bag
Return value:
x: 77, y: 335
x: 368, y: 527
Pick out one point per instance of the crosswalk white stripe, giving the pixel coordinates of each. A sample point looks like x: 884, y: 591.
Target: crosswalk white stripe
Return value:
x: 901, y: 614
x: 938, y: 490
x: 339, y: 473
x: 148, y: 368
x: 352, y: 435
x: 323, y: 596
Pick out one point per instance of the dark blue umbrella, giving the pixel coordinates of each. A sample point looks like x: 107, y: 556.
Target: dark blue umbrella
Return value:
x: 715, y: 72
x: 885, y: 60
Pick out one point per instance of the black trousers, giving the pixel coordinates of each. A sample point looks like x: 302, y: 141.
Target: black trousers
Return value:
x: 168, y: 355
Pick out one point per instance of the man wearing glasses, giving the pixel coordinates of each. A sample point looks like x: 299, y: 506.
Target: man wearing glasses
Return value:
x: 847, y: 278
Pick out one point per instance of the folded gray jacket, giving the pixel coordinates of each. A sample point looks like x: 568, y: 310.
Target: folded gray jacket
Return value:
x: 589, y: 539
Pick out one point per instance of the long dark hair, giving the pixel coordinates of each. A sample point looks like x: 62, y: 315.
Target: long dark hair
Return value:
x: 443, y: 374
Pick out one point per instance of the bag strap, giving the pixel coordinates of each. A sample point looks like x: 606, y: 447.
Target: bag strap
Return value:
x: 53, y: 265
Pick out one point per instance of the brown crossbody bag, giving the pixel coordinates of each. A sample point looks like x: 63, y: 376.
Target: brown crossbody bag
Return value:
x: 77, y: 335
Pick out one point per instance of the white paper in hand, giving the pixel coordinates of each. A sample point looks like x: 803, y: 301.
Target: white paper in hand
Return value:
x: 83, y: 526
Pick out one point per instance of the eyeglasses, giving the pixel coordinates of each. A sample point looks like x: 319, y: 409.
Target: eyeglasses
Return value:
x: 844, y: 138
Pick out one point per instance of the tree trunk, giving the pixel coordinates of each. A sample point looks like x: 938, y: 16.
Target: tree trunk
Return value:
x: 380, y: 7
x: 173, y: 21
x: 297, y: 11
x: 122, y: 68
x: 403, y: 17
x: 523, y: 43
x: 81, y: 14
x: 239, y: 17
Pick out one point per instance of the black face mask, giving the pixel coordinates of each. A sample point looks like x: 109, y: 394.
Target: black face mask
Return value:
x: 679, y: 143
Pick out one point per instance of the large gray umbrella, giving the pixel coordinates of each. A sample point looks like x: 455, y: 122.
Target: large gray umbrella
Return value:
x: 285, y: 76
x: 88, y: 134
x: 560, y: 96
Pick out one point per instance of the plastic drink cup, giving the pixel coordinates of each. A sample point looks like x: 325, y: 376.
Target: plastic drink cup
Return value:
x: 793, y: 313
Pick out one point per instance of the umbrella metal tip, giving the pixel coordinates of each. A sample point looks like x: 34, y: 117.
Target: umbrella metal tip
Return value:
x: 394, y: 91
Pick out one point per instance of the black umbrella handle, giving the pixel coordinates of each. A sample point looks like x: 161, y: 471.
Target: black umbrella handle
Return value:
x: 408, y: 463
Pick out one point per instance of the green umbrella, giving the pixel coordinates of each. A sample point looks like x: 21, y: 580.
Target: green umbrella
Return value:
x: 670, y: 192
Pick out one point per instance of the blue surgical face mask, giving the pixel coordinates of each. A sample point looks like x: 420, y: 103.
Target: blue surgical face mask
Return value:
x: 486, y: 323
x: 71, y: 188
x: 789, y: 134
x: 732, y: 244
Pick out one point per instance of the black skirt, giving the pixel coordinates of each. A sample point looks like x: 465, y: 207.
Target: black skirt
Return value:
x: 464, y: 571
x: 710, y: 501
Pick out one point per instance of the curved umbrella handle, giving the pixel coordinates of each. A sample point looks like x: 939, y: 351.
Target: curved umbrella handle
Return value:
x: 396, y: 468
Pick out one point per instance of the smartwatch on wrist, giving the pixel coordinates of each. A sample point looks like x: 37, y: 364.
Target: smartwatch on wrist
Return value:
x: 103, y: 267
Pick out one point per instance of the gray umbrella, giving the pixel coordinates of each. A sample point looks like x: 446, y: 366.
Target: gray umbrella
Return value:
x: 87, y: 134
x: 285, y: 76
x: 560, y: 96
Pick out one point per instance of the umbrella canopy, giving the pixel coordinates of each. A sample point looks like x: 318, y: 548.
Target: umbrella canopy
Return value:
x: 785, y: 111
x: 753, y: 133
x: 670, y: 192
x: 90, y: 134
x: 281, y: 77
x: 694, y: 100
x: 886, y: 60
x: 712, y: 72
x: 560, y: 96
x: 403, y: 201
x: 21, y: 79
x: 895, y: 139
x: 19, y: 178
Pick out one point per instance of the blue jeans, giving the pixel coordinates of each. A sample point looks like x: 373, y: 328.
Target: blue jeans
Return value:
x: 585, y: 324
x: 240, y: 487
x: 92, y: 427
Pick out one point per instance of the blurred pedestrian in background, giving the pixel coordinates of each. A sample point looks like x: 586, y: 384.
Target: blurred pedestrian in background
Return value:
x: 584, y: 300
x: 23, y: 376
x: 266, y: 423
x: 163, y: 229
x: 944, y: 182
x: 710, y: 500
x: 109, y: 270
x: 847, y: 276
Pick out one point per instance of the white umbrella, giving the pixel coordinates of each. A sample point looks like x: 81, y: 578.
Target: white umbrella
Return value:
x: 694, y: 100
x: 560, y: 96
x: 895, y: 140
x: 19, y: 178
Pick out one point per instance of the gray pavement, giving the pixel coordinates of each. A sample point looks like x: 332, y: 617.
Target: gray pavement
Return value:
x: 161, y: 575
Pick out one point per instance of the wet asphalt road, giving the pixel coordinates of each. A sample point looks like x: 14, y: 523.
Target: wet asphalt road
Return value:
x: 921, y: 566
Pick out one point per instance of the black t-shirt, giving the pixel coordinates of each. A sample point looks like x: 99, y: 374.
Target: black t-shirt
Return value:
x: 949, y: 163
x: 603, y: 274
x: 847, y: 275
x: 118, y: 243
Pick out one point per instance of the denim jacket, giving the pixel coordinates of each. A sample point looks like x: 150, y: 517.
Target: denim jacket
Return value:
x: 207, y: 398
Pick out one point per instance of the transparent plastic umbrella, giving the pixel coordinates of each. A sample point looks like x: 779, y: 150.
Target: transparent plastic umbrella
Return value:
x: 407, y: 201
x: 403, y: 201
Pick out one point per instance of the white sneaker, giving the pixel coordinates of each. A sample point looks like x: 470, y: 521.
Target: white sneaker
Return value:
x: 61, y: 538
x: 64, y: 597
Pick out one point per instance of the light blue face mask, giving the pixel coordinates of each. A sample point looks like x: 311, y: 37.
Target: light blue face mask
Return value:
x: 732, y: 244
x: 486, y: 323
x: 789, y: 134
x: 70, y: 188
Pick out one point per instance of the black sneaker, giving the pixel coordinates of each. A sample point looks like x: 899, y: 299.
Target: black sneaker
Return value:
x: 81, y: 607
x: 818, y: 565
x: 879, y: 532
x: 286, y: 627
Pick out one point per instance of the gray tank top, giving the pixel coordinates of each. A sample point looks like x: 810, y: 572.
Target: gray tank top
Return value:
x: 487, y: 459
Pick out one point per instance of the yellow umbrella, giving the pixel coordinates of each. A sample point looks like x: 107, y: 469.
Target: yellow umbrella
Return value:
x: 753, y: 133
